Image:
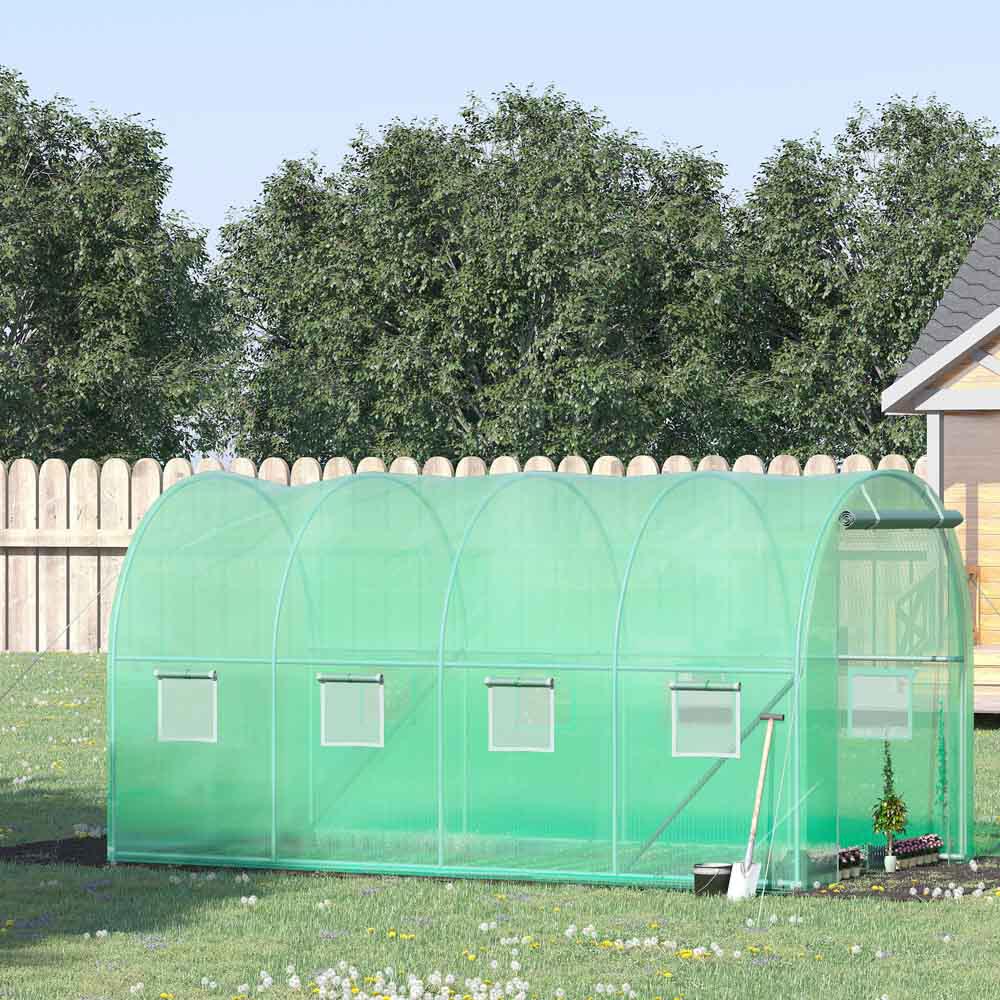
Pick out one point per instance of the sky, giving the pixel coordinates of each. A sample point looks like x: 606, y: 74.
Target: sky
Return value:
x: 237, y: 87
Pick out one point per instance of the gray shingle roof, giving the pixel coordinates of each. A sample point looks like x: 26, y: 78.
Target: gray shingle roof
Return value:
x: 974, y: 292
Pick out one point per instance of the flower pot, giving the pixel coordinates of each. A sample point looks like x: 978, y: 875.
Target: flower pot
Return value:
x: 856, y: 871
x: 890, y: 862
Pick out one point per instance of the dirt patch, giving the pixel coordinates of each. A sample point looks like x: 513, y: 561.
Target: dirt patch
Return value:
x: 944, y: 878
x: 90, y: 851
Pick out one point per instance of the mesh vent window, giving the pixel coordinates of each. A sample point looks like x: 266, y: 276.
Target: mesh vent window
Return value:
x: 522, y: 718
x: 706, y: 723
x: 880, y: 705
x: 352, y: 713
x: 187, y: 709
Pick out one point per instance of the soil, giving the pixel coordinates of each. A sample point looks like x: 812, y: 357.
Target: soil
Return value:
x: 943, y: 876
x: 92, y: 852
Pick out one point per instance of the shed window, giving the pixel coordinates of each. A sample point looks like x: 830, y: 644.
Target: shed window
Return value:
x: 352, y: 711
x: 706, y: 721
x: 522, y: 715
x: 187, y: 708
x: 880, y: 705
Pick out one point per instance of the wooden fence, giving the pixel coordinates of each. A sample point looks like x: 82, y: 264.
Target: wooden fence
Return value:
x: 64, y: 531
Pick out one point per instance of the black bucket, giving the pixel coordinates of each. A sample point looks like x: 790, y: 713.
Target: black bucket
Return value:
x: 712, y: 879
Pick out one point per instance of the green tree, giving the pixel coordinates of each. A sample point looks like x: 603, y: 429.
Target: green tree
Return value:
x: 847, y: 249
x: 889, y: 814
x: 108, y: 336
x: 527, y: 280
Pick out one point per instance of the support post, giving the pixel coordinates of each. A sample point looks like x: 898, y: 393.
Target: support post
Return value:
x: 935, y: 453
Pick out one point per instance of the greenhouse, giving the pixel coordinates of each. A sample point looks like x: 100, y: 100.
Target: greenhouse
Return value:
x: 538, y: 675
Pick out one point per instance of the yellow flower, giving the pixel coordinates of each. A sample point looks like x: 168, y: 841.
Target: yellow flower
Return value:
x: 666, y: 973
x: 471, y: 956
x: 371, y: 930
x: 166, y: 996
x: 685, y: 953
x: 654, y: 925
x: 354, y: 989
x: 499, y: 895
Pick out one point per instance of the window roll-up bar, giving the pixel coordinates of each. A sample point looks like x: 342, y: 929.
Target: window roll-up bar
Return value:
x: 521, y: 682
x: 870, y: 519
x: 161, y: 675
x: 351, y: 678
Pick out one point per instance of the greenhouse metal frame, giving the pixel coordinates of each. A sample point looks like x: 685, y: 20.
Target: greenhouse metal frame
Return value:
x: 536, y: 676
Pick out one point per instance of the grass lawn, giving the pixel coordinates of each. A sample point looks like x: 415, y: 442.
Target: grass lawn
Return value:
x: 170, y: 930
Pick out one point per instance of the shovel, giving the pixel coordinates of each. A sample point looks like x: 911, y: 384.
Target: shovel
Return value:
x: 745, y: 874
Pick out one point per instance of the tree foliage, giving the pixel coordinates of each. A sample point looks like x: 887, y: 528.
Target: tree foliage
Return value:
x: 848, y: 250
x: 107, y: 330
x: 527, y: 280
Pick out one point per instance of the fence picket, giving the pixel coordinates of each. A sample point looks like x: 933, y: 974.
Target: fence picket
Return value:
x: 174, y: 471
x: 643, y: 465
x: 820, y: 465
x: 84, y: 579
x: 338, y: 467
x: 22, y: 564
x: 857, y: 463
x: 608, y: 465
x: 404, y: 465
x: 243, y: 467
x: 147, y: 484
x: 575, y: 464
x: 749, y: 463
x: 503, y: 465
x: 539, y: 463
x: 470, y: 465
x: 438, y: 466
x: 372, y: 463
x: 677, y: 464
x: 114, y: 514
x: 208, y: 464
x: 920, y: 467
x: 53, y: 564
x: 784, y: 465
x: 274, y: 470
x: 305, y: 471
x: 894, y: 462
x: 713, y: 463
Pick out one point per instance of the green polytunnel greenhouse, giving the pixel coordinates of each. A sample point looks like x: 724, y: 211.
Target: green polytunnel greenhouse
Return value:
x: 536, y: 675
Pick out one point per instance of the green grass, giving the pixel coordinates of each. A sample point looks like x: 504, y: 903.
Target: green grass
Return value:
x: 168, y: 930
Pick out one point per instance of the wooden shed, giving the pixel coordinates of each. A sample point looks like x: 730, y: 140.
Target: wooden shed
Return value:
x: 952, y: 376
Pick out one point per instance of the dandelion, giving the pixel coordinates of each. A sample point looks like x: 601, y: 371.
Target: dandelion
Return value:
x: 749, y: 921
x: 855, y: 949
x: 515, y: 966
x: 946, y: 938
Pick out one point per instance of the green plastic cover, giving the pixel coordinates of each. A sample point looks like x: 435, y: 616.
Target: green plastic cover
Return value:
x: 536, y: 675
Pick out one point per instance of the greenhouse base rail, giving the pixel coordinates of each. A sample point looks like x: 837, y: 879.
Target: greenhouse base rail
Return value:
x: 901, y: 659
x: 684, y: 882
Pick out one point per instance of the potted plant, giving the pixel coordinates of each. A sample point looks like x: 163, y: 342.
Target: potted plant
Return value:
x: 889, y: 813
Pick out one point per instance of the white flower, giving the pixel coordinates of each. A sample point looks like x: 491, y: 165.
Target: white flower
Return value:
x: 946, y: 938
x: 295, y: 983
x: 570, y: 931
x: 204, y: 981
x: 855, y: 949
x: 86, y: 935
x: 484, y: 926
x: 137, y: 988
x: 913, y: 890
x: 560, y: 993
x: 450, y: 885
x: 881, y: 954
x: 101, y: 934
x: 749, y: 921
x: 774, y: 918
x: 515, y: 966
x: 599, y: 988
x: 737, y: 954
x: 243, y: 988
x: 974, y: 865
x: 815, y: 885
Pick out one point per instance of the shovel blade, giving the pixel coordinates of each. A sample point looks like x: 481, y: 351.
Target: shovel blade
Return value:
x: 743, y: 881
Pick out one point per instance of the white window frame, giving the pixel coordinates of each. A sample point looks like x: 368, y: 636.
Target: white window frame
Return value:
x: 867, y: 734
x: 212, y: 676
x: 377, y: 679
x: 681, y: 688
x: 501, y: 682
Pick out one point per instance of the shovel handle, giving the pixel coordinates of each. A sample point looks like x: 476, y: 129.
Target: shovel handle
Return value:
x: 760, y: 788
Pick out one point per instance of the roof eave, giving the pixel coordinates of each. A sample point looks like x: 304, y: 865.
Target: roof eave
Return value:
x: 903, y: 396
